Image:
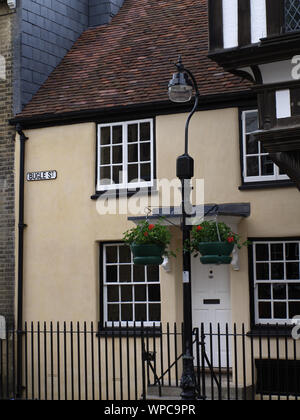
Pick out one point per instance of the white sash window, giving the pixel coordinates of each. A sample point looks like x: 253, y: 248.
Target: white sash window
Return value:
x: 276, y: 272
x: 131, y: 293
x: 125, y: 155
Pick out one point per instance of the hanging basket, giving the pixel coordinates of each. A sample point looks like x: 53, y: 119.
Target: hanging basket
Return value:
x: 147, y: 254
x: 215, y: 252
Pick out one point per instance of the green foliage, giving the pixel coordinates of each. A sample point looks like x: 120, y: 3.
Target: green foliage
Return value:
x: 147, y: 233
x: 207, y: 232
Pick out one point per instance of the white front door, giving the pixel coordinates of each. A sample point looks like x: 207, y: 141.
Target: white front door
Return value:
x: 211, y: 305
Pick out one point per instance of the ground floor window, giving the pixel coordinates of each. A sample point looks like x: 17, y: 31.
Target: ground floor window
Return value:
x: 131, y: 294
x: 276, y: 280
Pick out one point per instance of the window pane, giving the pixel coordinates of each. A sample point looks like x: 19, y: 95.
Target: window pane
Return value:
x: 113, y: 313
x: 264, y: 309
x: 154, y: 293
x: 251, y: 146
x: 132, y: 153
x: 262, y: 252
x: 277, y: 271
x: 292, y: 271
x: 140, y: 293
x: 262, y: 149
x: 252, y: 166
x: 126, y: 293
x: 133, y: 173
x: 267, y: 166
x: 105, y: 175
x: 277, y: 252
x: 113, y: 293
x: 292, y: 15
x: 152, y: 273
x: 279, y: 291
x: 117, y: 154
x: 294, y: 291
x: 251, y: 121
x: 117, y: 134
x: 280, y: 310
x: 262, y: 271
x: 264, y: 291
x: 105, y: 155
x: 146, y: 172
x: 111, y: 254
x: 117, y: 174
x: 138, y: 273
x: 292, y: 251
x: 141, y: 312
x: 105, y: 136
x: 125, y: 273
x: 125, y: 254
x: 294, y: 309
x: 145, y: 132
x: 154, y: 312
x: 111, y: 273
x: 145, y: 151
x: 132, y: 133
x: 126, y: 312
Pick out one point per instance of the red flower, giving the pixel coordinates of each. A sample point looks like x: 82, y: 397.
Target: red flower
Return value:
x: 151, y: 227
x: 199, y: 228
x: 230, y: 239
x: 146, y: 234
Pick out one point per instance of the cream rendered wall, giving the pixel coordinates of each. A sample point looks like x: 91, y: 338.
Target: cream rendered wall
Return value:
x: 61, y: 271
x: 61, y: 253
x: 60, y: 246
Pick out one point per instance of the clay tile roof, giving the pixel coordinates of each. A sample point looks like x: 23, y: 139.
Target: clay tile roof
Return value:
x: 130, y: 61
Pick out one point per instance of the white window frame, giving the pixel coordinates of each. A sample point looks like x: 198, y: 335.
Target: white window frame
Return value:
x: 133, y: 302
x: 286, y: 281
x: 125, y: 184
x: 260, y: 178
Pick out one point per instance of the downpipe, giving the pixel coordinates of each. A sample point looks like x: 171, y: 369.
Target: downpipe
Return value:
x: 21, y: 228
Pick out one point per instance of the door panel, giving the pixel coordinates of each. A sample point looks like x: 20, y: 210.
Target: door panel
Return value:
x: 211, y: 304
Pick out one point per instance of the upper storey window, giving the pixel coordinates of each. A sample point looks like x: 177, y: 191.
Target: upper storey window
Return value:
x: 292, y: 15
x: 257, y: 165
x: 125, y: 155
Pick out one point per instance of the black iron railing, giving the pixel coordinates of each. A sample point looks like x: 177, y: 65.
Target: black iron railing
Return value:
x: 78, y: 361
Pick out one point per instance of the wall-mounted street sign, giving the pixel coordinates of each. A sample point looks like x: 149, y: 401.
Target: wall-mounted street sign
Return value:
x: 41, y: 176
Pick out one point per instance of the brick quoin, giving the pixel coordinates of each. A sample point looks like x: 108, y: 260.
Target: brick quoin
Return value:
x: 7, y: 133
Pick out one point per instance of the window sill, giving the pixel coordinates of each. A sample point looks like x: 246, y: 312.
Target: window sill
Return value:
x: 124, y: 193
x: 271, y: 331
x: 129, y: 332
x: 265, y: 185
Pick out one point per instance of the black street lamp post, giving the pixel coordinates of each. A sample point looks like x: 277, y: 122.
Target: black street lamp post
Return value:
x: 181, y: 90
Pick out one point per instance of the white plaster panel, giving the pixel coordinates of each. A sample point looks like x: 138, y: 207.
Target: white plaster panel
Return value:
x: 283, y: 104
x: 230, y: 23
x: 258, y: 20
